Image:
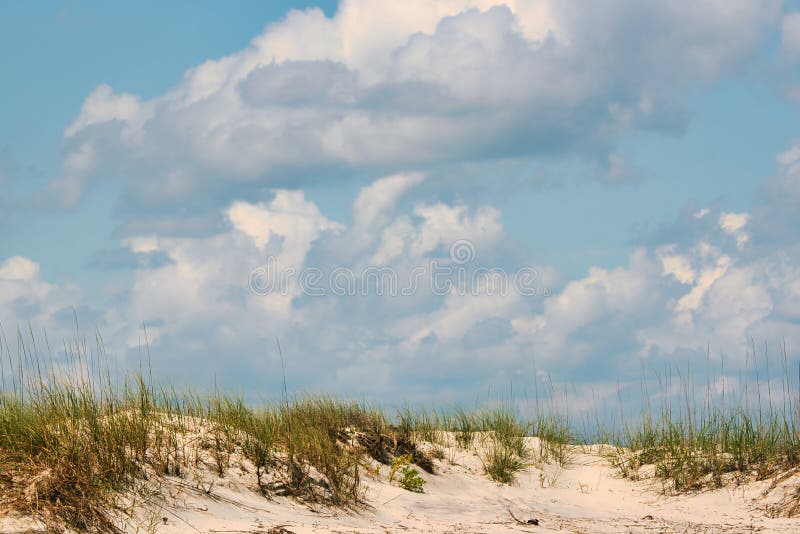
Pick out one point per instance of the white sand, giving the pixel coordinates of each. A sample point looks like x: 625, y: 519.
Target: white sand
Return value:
x: 586, y: 496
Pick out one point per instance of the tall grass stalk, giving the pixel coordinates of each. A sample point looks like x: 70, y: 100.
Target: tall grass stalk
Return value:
x: 716, y: 436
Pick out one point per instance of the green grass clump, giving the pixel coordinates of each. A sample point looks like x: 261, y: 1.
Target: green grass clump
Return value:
x: 464, y: 425
x: 555, y: 435
x: 708, y: 438
x: 322, y: 434
x: 501, y: 463
x: 497, y: 434
x: 67, y: 452
x: 692, y: 453
x: 63, y: 453
x: 504, y: 450
x: 410, y: 479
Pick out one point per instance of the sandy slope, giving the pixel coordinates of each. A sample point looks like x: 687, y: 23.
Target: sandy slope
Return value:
x: 587, y: 496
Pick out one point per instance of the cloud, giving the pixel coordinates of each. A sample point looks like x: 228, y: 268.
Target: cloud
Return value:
x: 776, y: 217
x: 298, y: 84
x: 693, y: 285
x: 621, y: 292
x: 19, y: 268
x: 373, y: 211
x: 383, y: 87
x: 102, y: 106
x: 212, y: 175
x: 678, y: 294
x: 790, y: 35
x: 714, y: 279
x: 200, y: 310
x: 288, y: 216
x: 26, y: 299
x: 126, y: 258
x: 733, y: 224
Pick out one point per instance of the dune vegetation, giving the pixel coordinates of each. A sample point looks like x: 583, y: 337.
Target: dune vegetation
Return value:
x: 76, y: 445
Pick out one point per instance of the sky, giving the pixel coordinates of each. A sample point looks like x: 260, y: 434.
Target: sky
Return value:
x: 602, y: 187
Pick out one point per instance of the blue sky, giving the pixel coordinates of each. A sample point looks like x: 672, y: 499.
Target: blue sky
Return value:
x: 641, y: 158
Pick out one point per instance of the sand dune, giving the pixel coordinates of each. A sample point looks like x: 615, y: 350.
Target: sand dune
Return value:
x: 586, y: 496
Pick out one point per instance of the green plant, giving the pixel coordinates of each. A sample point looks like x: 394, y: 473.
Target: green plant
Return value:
x: 504, y: 450
x: 704, y: 437
x: 73, y: 442
x: 464, y: 426
x: 410, y: 478
x: 502, y: 463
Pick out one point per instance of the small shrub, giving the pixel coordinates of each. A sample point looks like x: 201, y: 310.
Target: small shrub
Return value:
x: 410, y: 479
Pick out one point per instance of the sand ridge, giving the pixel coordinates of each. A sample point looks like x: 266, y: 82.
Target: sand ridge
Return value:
x: 585, y: 496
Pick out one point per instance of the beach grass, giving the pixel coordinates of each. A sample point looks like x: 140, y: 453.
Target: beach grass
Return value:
x: 73, y: 441
x: 701, y: 437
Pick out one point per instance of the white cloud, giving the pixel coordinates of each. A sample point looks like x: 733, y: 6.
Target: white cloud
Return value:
x: 103, y: 105
x: 790, y: 35
x: 693, y: 299
x: 457, y: 315
x: 27, y: 299
x: 733, y: 224
x: 19, y: 268
x: 600, y: 294
x: 205, y: 284
x: 670, y: 300
x: 202, y: 292
x: 404, y: 89
x: 676, y: 265
x: 443, y: 225
x: 398, y: 85
x: 288, y: 216
x: 374, y: 209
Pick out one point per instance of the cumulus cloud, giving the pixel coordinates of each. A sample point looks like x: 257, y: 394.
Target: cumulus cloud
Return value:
x: 103, y: 105
x: 19, y: 268
x: 700, y: 284
x: 733, y: 224
x: 714, y: 279
x: 387, y: 86
x: 25, y: 298
x: 200, y: 306
x: 403, y: 90
x: 613, y: 299
x: 678, y: 294
x: 671, y: 301
x: 373, y: 211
